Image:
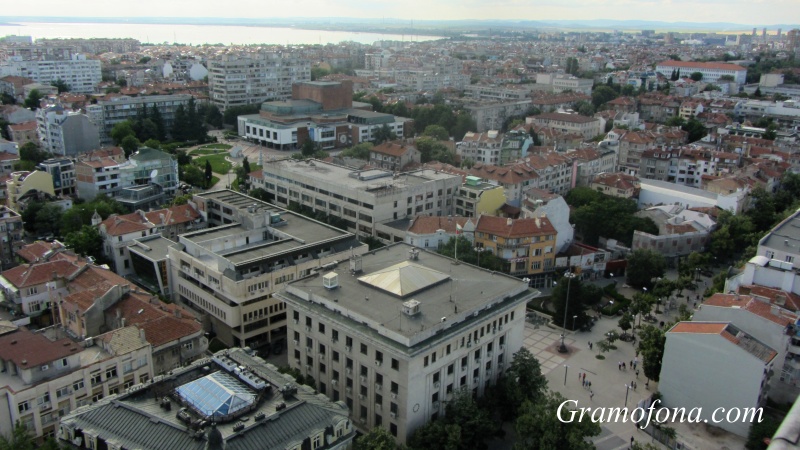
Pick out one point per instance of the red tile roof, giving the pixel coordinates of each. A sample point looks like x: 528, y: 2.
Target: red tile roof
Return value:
x: 574, y: 118
x: 429, y: 224
x: 702, y: 65
x: 5, y: 156
x: 513, y: 228
x: 752, y: 305
x: 699, y: 327
x: 31, y: 350
x: 396, y: 149
x: 37, y: 250
x: 26, y: 275
x: 24, y: 126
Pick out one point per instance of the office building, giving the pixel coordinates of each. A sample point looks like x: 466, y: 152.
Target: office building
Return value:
x: 364, y: 199
x: 230, y: 272
x: 395, y: 333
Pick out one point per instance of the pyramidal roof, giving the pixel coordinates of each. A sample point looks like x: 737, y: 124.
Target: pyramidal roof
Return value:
x: 404, y: 279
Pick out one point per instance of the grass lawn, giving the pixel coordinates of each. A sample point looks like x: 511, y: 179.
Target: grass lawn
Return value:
x: 207, y: 151
x: 218, y: 163
x: 214, y: 180
x: 217, y: 146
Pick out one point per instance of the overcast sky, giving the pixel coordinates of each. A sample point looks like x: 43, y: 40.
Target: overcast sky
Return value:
x: 737, y: 11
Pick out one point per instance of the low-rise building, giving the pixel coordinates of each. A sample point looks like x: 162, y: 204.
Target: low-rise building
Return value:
x: 681, y: 231
x: 527, y: 246
x: 432, y: 232
x: 24, y: 132
x: 402, y: 332
x: 98, y: 172
x: 475, y: 198
x: 394, y: 155
x: 481, y: 147
x: 231, y: 401
x: 62, y: 170
x: 48, y: 375
x: 712, y: 71
x: 149, y: 178
x: 588, y: 127
x: 616, y: 184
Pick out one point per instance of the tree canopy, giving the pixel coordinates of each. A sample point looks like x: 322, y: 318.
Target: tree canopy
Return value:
x: 644, y: 265
x: 598, y: 215
x: 539, y: 428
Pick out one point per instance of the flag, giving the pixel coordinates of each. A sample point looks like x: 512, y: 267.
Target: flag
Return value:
x: 458, y: 229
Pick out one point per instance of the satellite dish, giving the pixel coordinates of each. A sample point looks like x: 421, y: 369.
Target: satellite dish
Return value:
x: 153, y: 174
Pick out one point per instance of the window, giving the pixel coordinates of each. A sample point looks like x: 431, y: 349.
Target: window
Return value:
x: 63, y: 392
x: 111, y: 372
x: 78, y: 385
x: 23, y: 406
x: 395, y: 364
x: 321, y: 328
x: 43, y: 400
x: 97, y: 378
x: 363, y: 349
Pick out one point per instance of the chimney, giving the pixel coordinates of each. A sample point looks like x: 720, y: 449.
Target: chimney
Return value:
x: 509, y: 221
x: 178, y: 313
x: 142, y: 336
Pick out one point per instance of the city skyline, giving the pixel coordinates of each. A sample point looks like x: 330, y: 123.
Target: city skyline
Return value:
x: 757, y: 12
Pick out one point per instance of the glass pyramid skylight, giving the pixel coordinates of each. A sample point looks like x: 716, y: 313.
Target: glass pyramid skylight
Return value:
x: 217, y: 395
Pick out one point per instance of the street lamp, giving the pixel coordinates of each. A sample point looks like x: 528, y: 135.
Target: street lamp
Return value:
x: 573, y: 322
x: 563, y: 348
x: 566, y: 367
x: 479, y: 250
x: 627, y: 389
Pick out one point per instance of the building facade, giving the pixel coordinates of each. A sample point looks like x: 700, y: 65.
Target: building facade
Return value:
x: 107, y: 113
x: 237, y: 80
x: 395, y: 354
x: 527, y: 246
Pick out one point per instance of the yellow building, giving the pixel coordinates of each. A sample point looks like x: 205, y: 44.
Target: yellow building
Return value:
x: 528, y: 246
x: 475, y: 198
x: 22, y: 182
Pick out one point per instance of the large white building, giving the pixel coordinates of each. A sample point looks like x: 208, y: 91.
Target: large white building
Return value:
x: 739, y: 365
x: 230, y: 272
x: 395, y: 333
x: 237, y: 80
x: 362, y: 198
x: 711, y: 71
x: 80, y: 74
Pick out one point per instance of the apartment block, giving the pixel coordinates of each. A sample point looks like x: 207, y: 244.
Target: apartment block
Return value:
x: 98, y: 172
x: 62, y: 170
x: 81, y: 75
x: 475, y: 198
x: 148, y: 179
x: 229, y: 273
x: 47, y: 374
x: 588, y: 127
x: 107, y: 113
x: 395, y: 333
x: 481, y: 147
x: 65, y: 133
x: 711, y: 71
x: 237, y: 80
x: 363, y: 198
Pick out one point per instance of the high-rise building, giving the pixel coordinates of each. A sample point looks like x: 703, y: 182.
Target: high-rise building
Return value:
x: 107, y: 113
x: 397, y: 332
x: 65, y: 133
x: 237, y: 80
x: 80, y: 74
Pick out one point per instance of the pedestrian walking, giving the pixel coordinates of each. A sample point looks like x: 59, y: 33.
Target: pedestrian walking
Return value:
x: 591, y: 395
x: 624, y: 367
x: 584, y: 376
x: 631, y: 366
x: 637, y: 374
x: 590, y: 385
x: 632, y: 440
x: 579, y: 376
x: 634, y: 385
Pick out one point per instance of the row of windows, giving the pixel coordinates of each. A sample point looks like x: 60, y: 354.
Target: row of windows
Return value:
x: 190, y: 297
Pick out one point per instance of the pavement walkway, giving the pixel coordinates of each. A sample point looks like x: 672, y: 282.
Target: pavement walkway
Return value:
x: 609, y: 382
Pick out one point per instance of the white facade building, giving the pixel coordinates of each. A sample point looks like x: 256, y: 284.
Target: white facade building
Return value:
x: 396, y: 353
x: 80, y: 74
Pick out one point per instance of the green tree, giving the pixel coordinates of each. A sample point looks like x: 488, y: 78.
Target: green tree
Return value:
x: 181, y: 200
x: 575, y: 305
x: 19, y: 439
x: 603, y: 94
x: 539, y: 428
x: 644, y: 266
x: 675, y: 121
x: 31, y: 152
x: 696, y: 76
x: 48, y: 219
x: 61, y: 85
x: 359, y: 151
x: 153, y: 143
x: 523, y: 381
x: 86, y: 242
x: 122, y: 130
x: 245, y: 165
x: 158, y: 120
x: 308, y: 148
x: 651, y: 347
x: 261, y: 194
x: 462, y: 124
x: 192, y: 175
x: 378, y: 438
x: 431, y: 149
x: 231, y: 115
x: 695, y: 128
x: 383, y: 134
x: 130, y: 145
x: 625, y: 323
x: 213, y: 116
x: 437, y: 132
x: 761, y: 432
x: 208, y: 174
x: 585, y: 108
x: 465, y: 426
x: 34, y: 97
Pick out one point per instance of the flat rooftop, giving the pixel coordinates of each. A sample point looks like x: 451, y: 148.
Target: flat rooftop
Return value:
x: 281, y: 415
x: 444, y: 288
x: 152, y: 247
x: 348, y: 178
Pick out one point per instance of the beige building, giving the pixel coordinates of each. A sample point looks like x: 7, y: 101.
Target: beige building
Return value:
x: 588, y: 127
x: 381, y: 333
x: 230, y: 272
x: 394, y: 155
x: 24, y: 182
x: 46, y: 375
x: 616, y: 184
